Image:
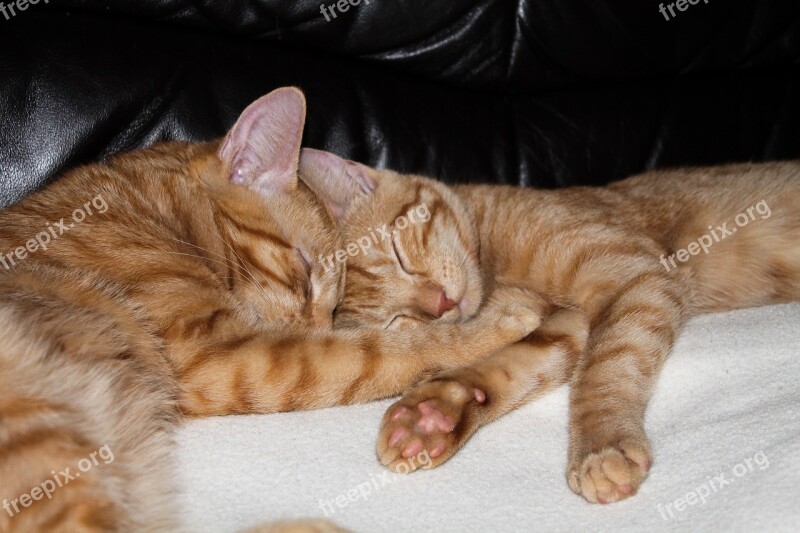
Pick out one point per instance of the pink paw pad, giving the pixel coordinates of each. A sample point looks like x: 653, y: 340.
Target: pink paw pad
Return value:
x: 433, y: 420
x: 399, y: 412
x: 480, y: 396
x: 398, y: 435
x: 413, y: 448
x: 437, y: 450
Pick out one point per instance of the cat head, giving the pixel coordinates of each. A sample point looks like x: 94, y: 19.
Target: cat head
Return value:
x: 410, y: 244
x: 274, y: 226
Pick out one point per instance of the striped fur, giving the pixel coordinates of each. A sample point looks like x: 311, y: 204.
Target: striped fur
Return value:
x: 190, y: 295
x: 597, y: 254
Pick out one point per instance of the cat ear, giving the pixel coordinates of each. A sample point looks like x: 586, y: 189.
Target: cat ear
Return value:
x: 262, y: 149
x: 335, y: 181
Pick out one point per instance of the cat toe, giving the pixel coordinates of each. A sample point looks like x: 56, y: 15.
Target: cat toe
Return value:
x: 611, y: 474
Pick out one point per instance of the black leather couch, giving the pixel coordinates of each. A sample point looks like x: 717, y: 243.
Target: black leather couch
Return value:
x: 540, y: 92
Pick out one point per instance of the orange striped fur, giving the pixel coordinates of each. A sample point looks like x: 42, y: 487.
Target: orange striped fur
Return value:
x: 596, y: 256
x: 195, y: 293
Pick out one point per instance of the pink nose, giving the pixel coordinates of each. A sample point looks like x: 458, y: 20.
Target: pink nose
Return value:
x: 445, y: 304
x: 434, y: 302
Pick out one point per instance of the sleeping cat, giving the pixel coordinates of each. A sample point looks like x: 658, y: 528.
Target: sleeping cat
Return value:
x: 179, y: 281
x: 619, y: 269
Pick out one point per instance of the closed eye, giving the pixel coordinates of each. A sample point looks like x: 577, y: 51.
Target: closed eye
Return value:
x: 403, y: 262
x: 402, y: 322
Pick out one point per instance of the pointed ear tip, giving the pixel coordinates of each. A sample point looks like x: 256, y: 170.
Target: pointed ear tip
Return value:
x: 283, y: 96
x: 291, y: 95
x: 293, y: 89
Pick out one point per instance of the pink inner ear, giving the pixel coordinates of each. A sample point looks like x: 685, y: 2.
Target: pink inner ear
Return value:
x: 263, y: 147
x: 336, y: 181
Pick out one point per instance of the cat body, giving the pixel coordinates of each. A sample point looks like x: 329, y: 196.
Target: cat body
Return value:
x: 563, y: 233
x: 619, y: 269
x: 171, y: 282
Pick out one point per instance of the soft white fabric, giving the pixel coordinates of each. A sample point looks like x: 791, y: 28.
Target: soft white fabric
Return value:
x: 728, y: 393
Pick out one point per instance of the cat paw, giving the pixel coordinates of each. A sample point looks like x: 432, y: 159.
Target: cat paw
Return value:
x: 518, y: 310
x: 611, y: 473
x: 433, y: 421
x: 520, y: 319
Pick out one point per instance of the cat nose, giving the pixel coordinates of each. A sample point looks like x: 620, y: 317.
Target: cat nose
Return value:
x: 436, y: 303
x: 445, y: 304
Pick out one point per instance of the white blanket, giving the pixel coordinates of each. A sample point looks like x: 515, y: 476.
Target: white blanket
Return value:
x: 724, y: 424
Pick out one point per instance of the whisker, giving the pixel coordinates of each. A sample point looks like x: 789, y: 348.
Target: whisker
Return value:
x: 241, y: 270
x: 259, y: 288
x: 244, y: 265
x: 253, y: 282
x: 229, y: 262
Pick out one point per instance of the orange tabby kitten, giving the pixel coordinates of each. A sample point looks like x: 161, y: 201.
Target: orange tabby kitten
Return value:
x: 178, y: 280
x: 619, y: 269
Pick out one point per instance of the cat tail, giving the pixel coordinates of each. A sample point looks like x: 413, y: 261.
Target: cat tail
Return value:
x: 84, y: 443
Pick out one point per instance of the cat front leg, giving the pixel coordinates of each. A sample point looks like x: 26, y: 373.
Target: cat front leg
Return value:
x: 441, y: 414
x: 609, y: 452
x: 231, y: 369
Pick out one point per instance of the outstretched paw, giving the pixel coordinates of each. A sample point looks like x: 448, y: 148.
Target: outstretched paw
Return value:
x: 612, y: 473
x: 428, y: 425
